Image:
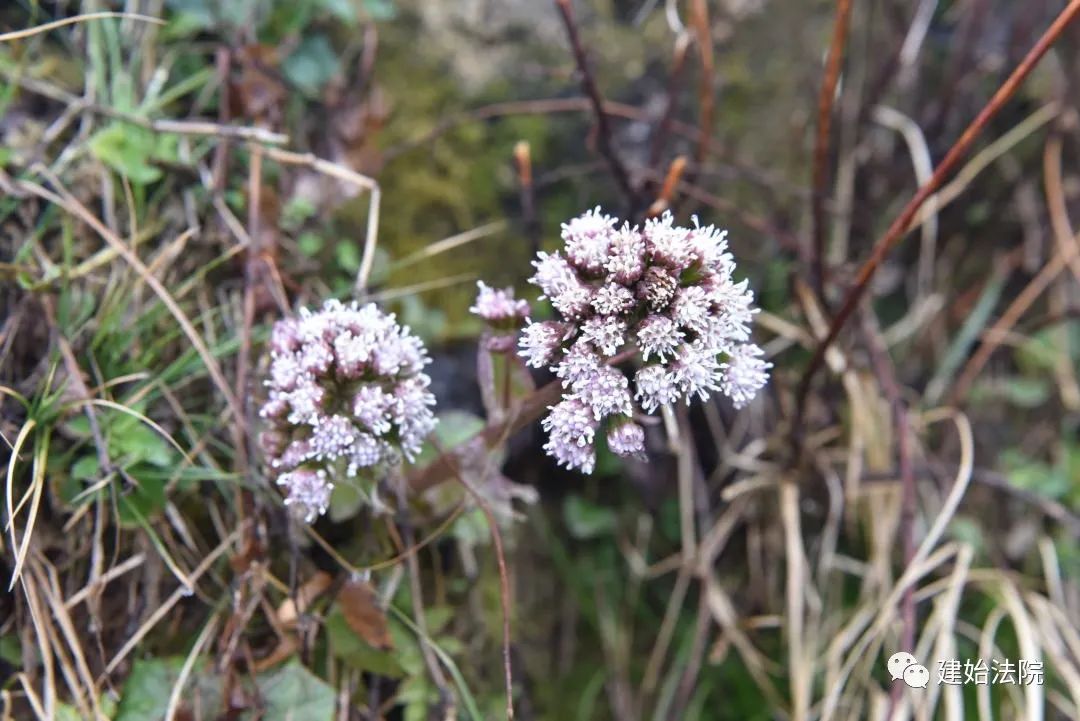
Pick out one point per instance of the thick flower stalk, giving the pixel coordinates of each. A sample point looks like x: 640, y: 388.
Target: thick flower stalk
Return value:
x: 664, y: 290
x: 347, y: 397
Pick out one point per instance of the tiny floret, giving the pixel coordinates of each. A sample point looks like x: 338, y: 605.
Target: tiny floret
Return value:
x: 347, y: 395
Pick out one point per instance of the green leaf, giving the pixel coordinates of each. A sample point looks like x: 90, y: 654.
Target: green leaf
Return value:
x: 126, y: 149
x: 471, y: 528
x: 1034, y: 475
x: 11, y: 650
x: 141, y: 503
x: 343, y: 10
x: 454, y: 428
x: 309, y: 243
x: 1020, y: 391
x: 292, y: 693
x: 64, y: 712
x: 142, y: 444
x: 191, y: 16
x: 585, y: 520
x: 296, y: 211
x: 380, y: 9
x: 1039, y: 352
x: 312, y: 64
x: 347, y: 256
x: 85, y: 469
x: 347, y: 498
x: 147, y: 689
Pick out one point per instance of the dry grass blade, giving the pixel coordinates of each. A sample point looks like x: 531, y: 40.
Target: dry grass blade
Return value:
x: 70, y: 204
x: 142, y: 418
x: 9, y: 488
x: 37, y: 30
x: 172, y: 600
x: 797, y: 583
x: 923, y: 165
x: 101, y: 581
x: 901, y: 225
x: 363, y: 182
x: 1021, y: 303
x: 37, y: 488
x: 47, y: 579
x: 454, y: 241
x: 185, y: 670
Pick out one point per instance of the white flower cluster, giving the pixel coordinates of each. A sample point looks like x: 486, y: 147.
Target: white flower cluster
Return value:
x: 664, y: 290
x: 347, y: 393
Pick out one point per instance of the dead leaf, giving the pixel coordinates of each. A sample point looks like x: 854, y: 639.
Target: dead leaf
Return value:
x: 290, y: 609
x: 360, y: 606
x: 259, y: 93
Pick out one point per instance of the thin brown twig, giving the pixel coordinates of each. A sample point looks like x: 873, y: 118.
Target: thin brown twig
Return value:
x: 994, y: 336
x: 821, y: 144
x: 527, y: 192
x: 699, y: 21
x: 899, y: 227
x: 786, y: 239
x: 603, y: 127
x: 667, y: 190
x: 397, y: 557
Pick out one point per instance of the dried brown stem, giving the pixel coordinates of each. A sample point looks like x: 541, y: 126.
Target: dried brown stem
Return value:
x: 821, y: 144
x: 603, y: 127
x: 527, y: 190
x: 899, y: 227
x: 667, y: 190
x: 1067, y: 253
x: 699, y: 21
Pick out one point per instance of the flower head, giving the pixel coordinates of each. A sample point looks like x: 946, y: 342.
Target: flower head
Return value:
x: 502, y: 313
x: 499, y: 307
x: 347, y: 394
x: 308, y: 492
x: 626, y: 438
x: 571, y: 428
x: 664, y: 289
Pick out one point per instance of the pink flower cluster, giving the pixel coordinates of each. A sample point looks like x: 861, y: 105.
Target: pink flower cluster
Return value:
x: 347, y: 394
x: 666, y: 291
x: 502, y: 314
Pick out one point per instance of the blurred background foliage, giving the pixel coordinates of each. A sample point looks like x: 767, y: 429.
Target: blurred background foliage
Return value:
x: 635, y: 596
